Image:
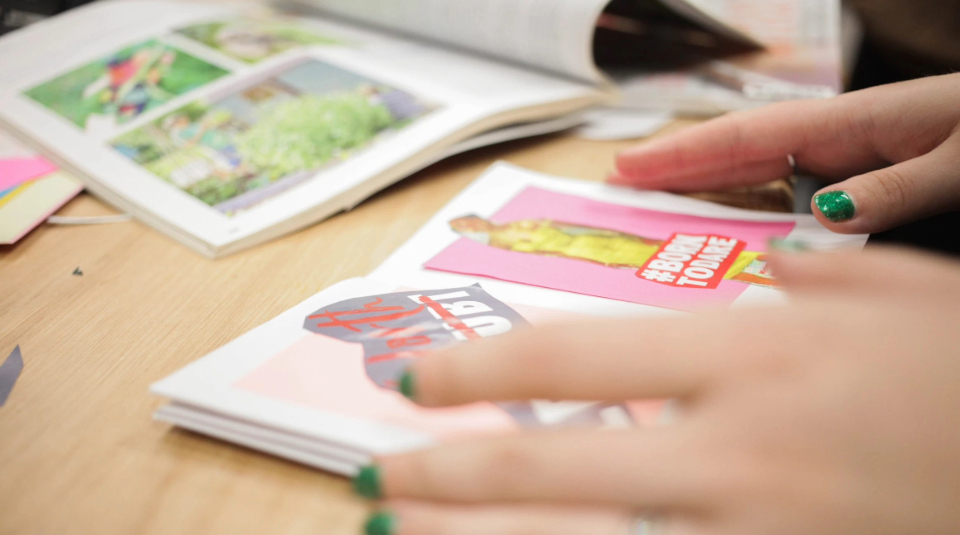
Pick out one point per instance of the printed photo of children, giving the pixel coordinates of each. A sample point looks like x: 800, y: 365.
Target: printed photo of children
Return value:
x: 116, y: 89
x: 256, y: 141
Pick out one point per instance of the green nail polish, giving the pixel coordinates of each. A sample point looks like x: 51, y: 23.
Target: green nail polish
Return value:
x: 381, y: 523
x: 835, y: 205
x: 367, y: 482
x: 787, y: 246
x: 408, y: 385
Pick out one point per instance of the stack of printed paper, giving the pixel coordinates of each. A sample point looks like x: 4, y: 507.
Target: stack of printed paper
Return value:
x: 318, y: 384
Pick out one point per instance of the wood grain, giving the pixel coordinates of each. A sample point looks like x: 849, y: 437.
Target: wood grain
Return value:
x: 79, y: 452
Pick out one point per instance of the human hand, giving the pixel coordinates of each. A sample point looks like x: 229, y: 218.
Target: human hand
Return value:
x: 900, y: 144
x: 835, y: 415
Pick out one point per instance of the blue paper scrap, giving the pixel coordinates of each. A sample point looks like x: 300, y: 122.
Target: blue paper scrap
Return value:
x: 9, y: 372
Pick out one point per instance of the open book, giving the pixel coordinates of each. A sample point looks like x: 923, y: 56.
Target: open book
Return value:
x: 227, y: 126
x: 318, y: 383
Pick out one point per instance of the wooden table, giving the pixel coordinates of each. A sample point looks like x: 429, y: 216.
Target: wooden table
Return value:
x: 79, y: 452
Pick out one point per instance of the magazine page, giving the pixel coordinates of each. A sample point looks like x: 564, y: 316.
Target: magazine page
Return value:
x: 597, y: 249
x: 796, y: 44
x: 217, y: 123
x: 555, y: 35
x: 319, y: 383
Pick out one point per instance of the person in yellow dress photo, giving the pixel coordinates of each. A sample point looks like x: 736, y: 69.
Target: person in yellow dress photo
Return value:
x: 607, y: 247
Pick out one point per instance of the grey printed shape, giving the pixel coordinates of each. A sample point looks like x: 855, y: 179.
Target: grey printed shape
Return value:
x: 394, y: 328
x: 9, y: 372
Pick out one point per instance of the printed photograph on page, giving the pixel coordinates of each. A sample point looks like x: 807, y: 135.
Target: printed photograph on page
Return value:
x: 566, y: 242
x: 118, y: 88
x: 251, y: 142
x: 254, y: 38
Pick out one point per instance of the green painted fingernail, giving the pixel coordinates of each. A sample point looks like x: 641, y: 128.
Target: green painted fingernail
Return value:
x: 381, y: 523
x: 835, y: 205
x: 408, y: 386
x: 787, y: 246
x: 367, y: 482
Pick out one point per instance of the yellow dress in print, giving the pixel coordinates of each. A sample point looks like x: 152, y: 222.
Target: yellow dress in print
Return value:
x: 607, y: 247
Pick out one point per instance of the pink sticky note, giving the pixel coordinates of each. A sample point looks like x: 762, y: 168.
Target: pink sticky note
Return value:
x: 16, y: 171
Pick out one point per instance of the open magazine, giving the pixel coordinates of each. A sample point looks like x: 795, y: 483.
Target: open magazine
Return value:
x: 318, y: 384
x: 225, y: 126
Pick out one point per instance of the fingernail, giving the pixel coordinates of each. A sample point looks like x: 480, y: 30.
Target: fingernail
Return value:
x: 784, y: 245
x: 367, y: 482
x: 408, y: 386
x: 836, y: 206
x: 381, y: 523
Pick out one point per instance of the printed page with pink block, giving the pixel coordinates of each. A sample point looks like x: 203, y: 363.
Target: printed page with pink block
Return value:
x: 320, y: 383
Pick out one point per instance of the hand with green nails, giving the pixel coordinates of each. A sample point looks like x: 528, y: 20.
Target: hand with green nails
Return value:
x: 892, y: 151
x: 836, y: 415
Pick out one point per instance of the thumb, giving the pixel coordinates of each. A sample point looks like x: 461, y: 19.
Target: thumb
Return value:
x: 874, y: 202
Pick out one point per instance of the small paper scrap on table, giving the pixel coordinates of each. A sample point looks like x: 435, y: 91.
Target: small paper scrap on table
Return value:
x: 9, y: 373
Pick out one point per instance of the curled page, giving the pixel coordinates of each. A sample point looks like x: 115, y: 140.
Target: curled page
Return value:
x: 555, y: 35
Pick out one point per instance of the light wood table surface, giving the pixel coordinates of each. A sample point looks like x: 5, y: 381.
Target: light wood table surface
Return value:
x: 79, y: 452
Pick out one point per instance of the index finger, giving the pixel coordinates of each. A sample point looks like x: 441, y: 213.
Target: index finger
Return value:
x: 751, y: 147
x: 633, y: 359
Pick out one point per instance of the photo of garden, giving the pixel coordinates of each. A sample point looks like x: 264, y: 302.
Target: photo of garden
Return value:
x: 116, y: 89
x: 236, y: 151
x: 253, y: 39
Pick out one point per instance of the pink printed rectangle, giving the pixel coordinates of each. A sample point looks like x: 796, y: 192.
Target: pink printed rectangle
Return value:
x: 16, y: 171
x: 525, y: 243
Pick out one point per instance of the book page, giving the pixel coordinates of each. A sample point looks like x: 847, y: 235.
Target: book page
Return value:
x: 215, y: 124
x: 555, y: 35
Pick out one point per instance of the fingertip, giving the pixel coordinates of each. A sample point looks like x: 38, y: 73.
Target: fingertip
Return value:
x: 635, y: 163
x: 814, y: 269
x: 836, y: 206
x: 624, y: 157
x: 433, y: 380
x: 368, y: 483
x: 788, y: 266
x: 412, y: 384
x: 842, y: 211
x: 382, y: 522
x: 408, y: 385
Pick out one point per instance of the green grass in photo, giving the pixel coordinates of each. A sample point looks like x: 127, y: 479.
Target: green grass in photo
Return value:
x: 126, y: 84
